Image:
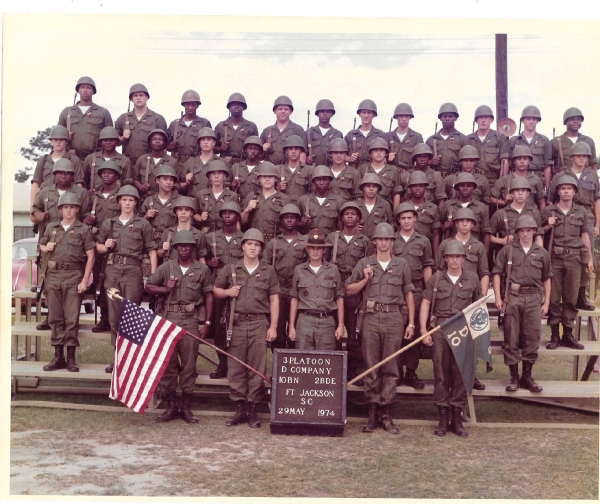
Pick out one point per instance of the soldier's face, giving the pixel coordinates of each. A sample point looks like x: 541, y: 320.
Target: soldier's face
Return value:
x: 350, y: 218
x: 338, y: 158
x: 529, y: 123
x: 366, y: 116
x: 109, y: 177
x: 464, y: 225
x: 315, y: 253
x: 158, y: 142
x: 383, y: 244
x: 69, y: 211
x: 283, y: 112
x: 109, y: 144
x: 184, y: 214
x: 184, y: 251
x: 293, y: 153
x: 252, y: 152
x: 190, y: 108
x: 421, y: 160
x: 468, y: 165
x: 322, y: 183
x: 251, y: 248
x: 526, y: 234
x: 520, y: 195
x: 574, y: 123
x: 127, y: 203
x: 378, y: 155
x: 59, y: 144
x: 418, y: 190
x: 165, y: 182
x: 139, y: 99
x: 454, y: 262
x: 484, y: 122
x: 325, y: 116
x: 403, y: 120
x: 566, y: 192
x: 85, y: 92
x: 370, y: 190
x: 289, y: 222
x: 521, y: 163
x: 63, y: 178
x: 407, y: 221
x: 229, y: 217
x: 465, y: 189
x: 267, y: 181
x: 579, y: 160
x: 236, y: 108
x: 207, y: 144
x: 217, y: 177
x: 448, y: 120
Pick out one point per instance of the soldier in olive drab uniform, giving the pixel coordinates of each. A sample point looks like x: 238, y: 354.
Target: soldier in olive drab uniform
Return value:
x: 225, y: 247
x: 389, y: 176
x: 428, y: 214
x: 158, y: 208
x: 85, y: 119
x: 415, y: 249
x: 274, y: 137
x: 434, y: 191
x: 572, y: 119
x: 147, y: 166
x: 403, y: 140
x: 289, y: 253
x: 468, y: 158
x: 109, y: 138
x: 359, y: 139
x: 244, y: 180
x: 345, y: 177
x: 587, y: 196
x: 187, y: 285
x: 210, y: 200
x: 456, y: 289
x: 447, y: 142
x: 183, y: 208
x: 126, y: 238
x: 317, y: 293
x: 493, y: 146
x: 184, y: 132
x: 390, y: 288
x: 571, y: 251
x: 320, y: 208
x: 70, y: 248
x: 540, y: 146
x: 319, y: 137
x: 255, y: 288
x: 134, y: 127
x: 233, y: 132
x: 294, y: 175
x: 521, y: 156
x: 465, y: 185
x: 530, y: 272
x: 261, y: 209
x: 348, y: 246
x: 373, y: 208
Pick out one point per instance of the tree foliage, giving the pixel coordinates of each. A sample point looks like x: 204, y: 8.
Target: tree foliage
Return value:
x: 39, y: 145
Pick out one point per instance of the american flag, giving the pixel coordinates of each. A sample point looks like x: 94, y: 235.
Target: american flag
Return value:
x: 145, y: 343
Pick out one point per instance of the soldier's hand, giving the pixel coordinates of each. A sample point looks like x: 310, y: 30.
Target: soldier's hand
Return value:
x: 203, y: 216
x: 305, y: 220
x: 39, y: 216
x: 354, y: 157
x: 189, y: 177
x: 235, y: 184
x: 499, y: 304
x: 252, y: 204
x: 448, y: 223
x: 435, y: 160
x: 71, y: 135
x: 292, y: 333
x: 271, y: 334
x: 224, y: 146
x: 171, y: 283
x: 81, y: 287
x: 367, y: 272
x: 204, y: 332
x: 428, y: 340
x: 510, y: 238
x: 172, y: 145
x: 234, y: 291
x: 339, y: 332
x: 596, y: 231
x: 90, y: 220
x: 166, y: 246
x: 391, y: 156
x: 109, y: 243
x: 544, y: 309
x: 310, y: 159
x: 213, y: 262
x: 360, y: 227
x: 266, y: 146
x: 507, y: 199
x: 127, y: 133
x: 91, y: 192
x: 590, y: 266
x: 50, y: 246
x: 551, y: 221
x: 409, y: 332
x: 283, y: 185
x: 151, y: 213
x: 145, y: 187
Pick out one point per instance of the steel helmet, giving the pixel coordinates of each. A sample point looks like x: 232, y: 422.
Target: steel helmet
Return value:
x: 448, y: 108
x: 464, y: 178
x: 253, y: 140
x: 231, y: 206
x: 166, y: 170
x: 403, y: 109
x: 185, y: 202
x: 325, y: 104
x: 59, y: 133
x: 190, y: 96
x: 290, y: 208
x: 371, y: 178
x: 138, y: 88
x: 253, y: 234
x: 237, y: 97
x: 283, y: 100
x: 483, y: 110
x: 322, y: 171
x: 109, y: 164
x: 108, y: 133
x: 383, y: 230
x: 158, y: 130
x: 367, y: 105
x: 519, y: 183
x: 567, y: 180
x: 572, y: 112
x: 379, y: 143
x: 454, y: 247
x: 581, y: 149
x: 464, y: 213
x: 217, y: 166
x: 531, y: 111
x: 85, y: 80
x: 404, y: 207
x: 521, y: 151
x: 350, y: 204
x: 68, y: 198
x: 417, y: 178
x: 526, y: 221
x: 206, y: 132
x: 128, y: 190
x: 294, y: 141
x: 338, y: 145
x: 468, y: 152
x: 267, y: 169
x: 420, y: 149
x: 183, y: 236
x: 63, y: 164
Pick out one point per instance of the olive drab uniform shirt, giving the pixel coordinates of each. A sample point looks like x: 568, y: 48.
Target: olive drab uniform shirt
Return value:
x: 200, y: 250
x: 417, y: 253
x: 482, y: 224
x: 104, y: 207
x: 540, y: 147
x: 529, y: 269
x: 43, y: 170
x: 247, y: 179
x: 357, y: 142
x: 567, y: 145
x: 319, y: 144
x: 348, y: 253
x: 448, y: 149
x: 71, y: 245
x: 288, y: 256
x: 500, y: 228
x: 322, y: 216
x: 381, y: 212
x: 481, y: 192
x: 434, y: 192
x: 256, y: 288
x: 190, y: 286
x: 389, y: 176
x: 235, y: 136
x: 228, y: 251
x: 199, y: 168
x: 569, y: 227
x: 187, y: 137
x: 403, y: 148
x: 137, y: 144
x: 345, y: 183
x: 147, y: 161
x: 588, y: 192
x: 265, y: 217
x: 476, y: 260
x: 298, y: 181
x: 85, y: 127
x: 492, y: 150
x: 278, y: 138
x: 428, y: 219
x: 452, y: 297
x: 538, y: 189
x: 207, y: 202
x: 317, y: 291
x: 165, y: 217
x: 132, y: 239
x: 93, y: 162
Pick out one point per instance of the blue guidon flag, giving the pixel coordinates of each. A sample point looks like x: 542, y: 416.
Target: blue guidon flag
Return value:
x: 145, y: 343
x: 468, y: 334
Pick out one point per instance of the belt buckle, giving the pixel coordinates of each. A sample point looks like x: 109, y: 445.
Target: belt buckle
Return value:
x: 386, y: 308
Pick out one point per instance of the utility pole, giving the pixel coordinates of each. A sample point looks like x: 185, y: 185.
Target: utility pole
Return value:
x: 501, y: 77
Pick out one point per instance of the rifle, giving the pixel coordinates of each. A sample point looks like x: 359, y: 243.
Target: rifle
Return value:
x: 214, y: 250
x: 435, y: 128
x: 171, y: 275
x: 560, y: 153
x: 231, y: 307
x: 354, y: 148
x: 93, y: 212
x: 310, y: 148
x: 147, y: 174
x: 175, y: 135
x: 473, y: 127
x: 391, y: 121
x: 274, y: 246
x: 551, y: 236
x: 44, y: 269
x: 170, y: 241
x: 363, y: 306
x: 436, y: 283
x: 447, y: 230
x: 507, y: 286
x: 102, y: 276
x: 335, y: 247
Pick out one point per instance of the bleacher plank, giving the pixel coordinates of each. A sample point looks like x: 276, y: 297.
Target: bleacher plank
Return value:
x: 591, y: 348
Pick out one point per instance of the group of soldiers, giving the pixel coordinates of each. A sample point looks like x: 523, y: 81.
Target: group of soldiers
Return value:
x: 296, y: 237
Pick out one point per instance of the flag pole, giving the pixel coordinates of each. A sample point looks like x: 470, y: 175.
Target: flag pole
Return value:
x: 113, y: 294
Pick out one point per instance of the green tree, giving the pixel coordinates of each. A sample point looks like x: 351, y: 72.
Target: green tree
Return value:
x: 39, y: 145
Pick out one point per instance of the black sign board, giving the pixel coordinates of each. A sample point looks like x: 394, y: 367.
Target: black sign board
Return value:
x: 308, y: 392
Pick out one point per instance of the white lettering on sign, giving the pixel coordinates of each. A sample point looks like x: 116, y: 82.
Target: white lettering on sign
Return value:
x: 455, y: 339
x: 291, y: 411
x: 315, y: 361
x: 310, y: 370
x: 289, y: 379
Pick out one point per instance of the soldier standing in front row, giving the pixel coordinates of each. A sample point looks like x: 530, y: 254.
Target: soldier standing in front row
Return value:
x: 187, y: 285
x: 387, y: 285
x: 254, y: 286
x: 529, y: 272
